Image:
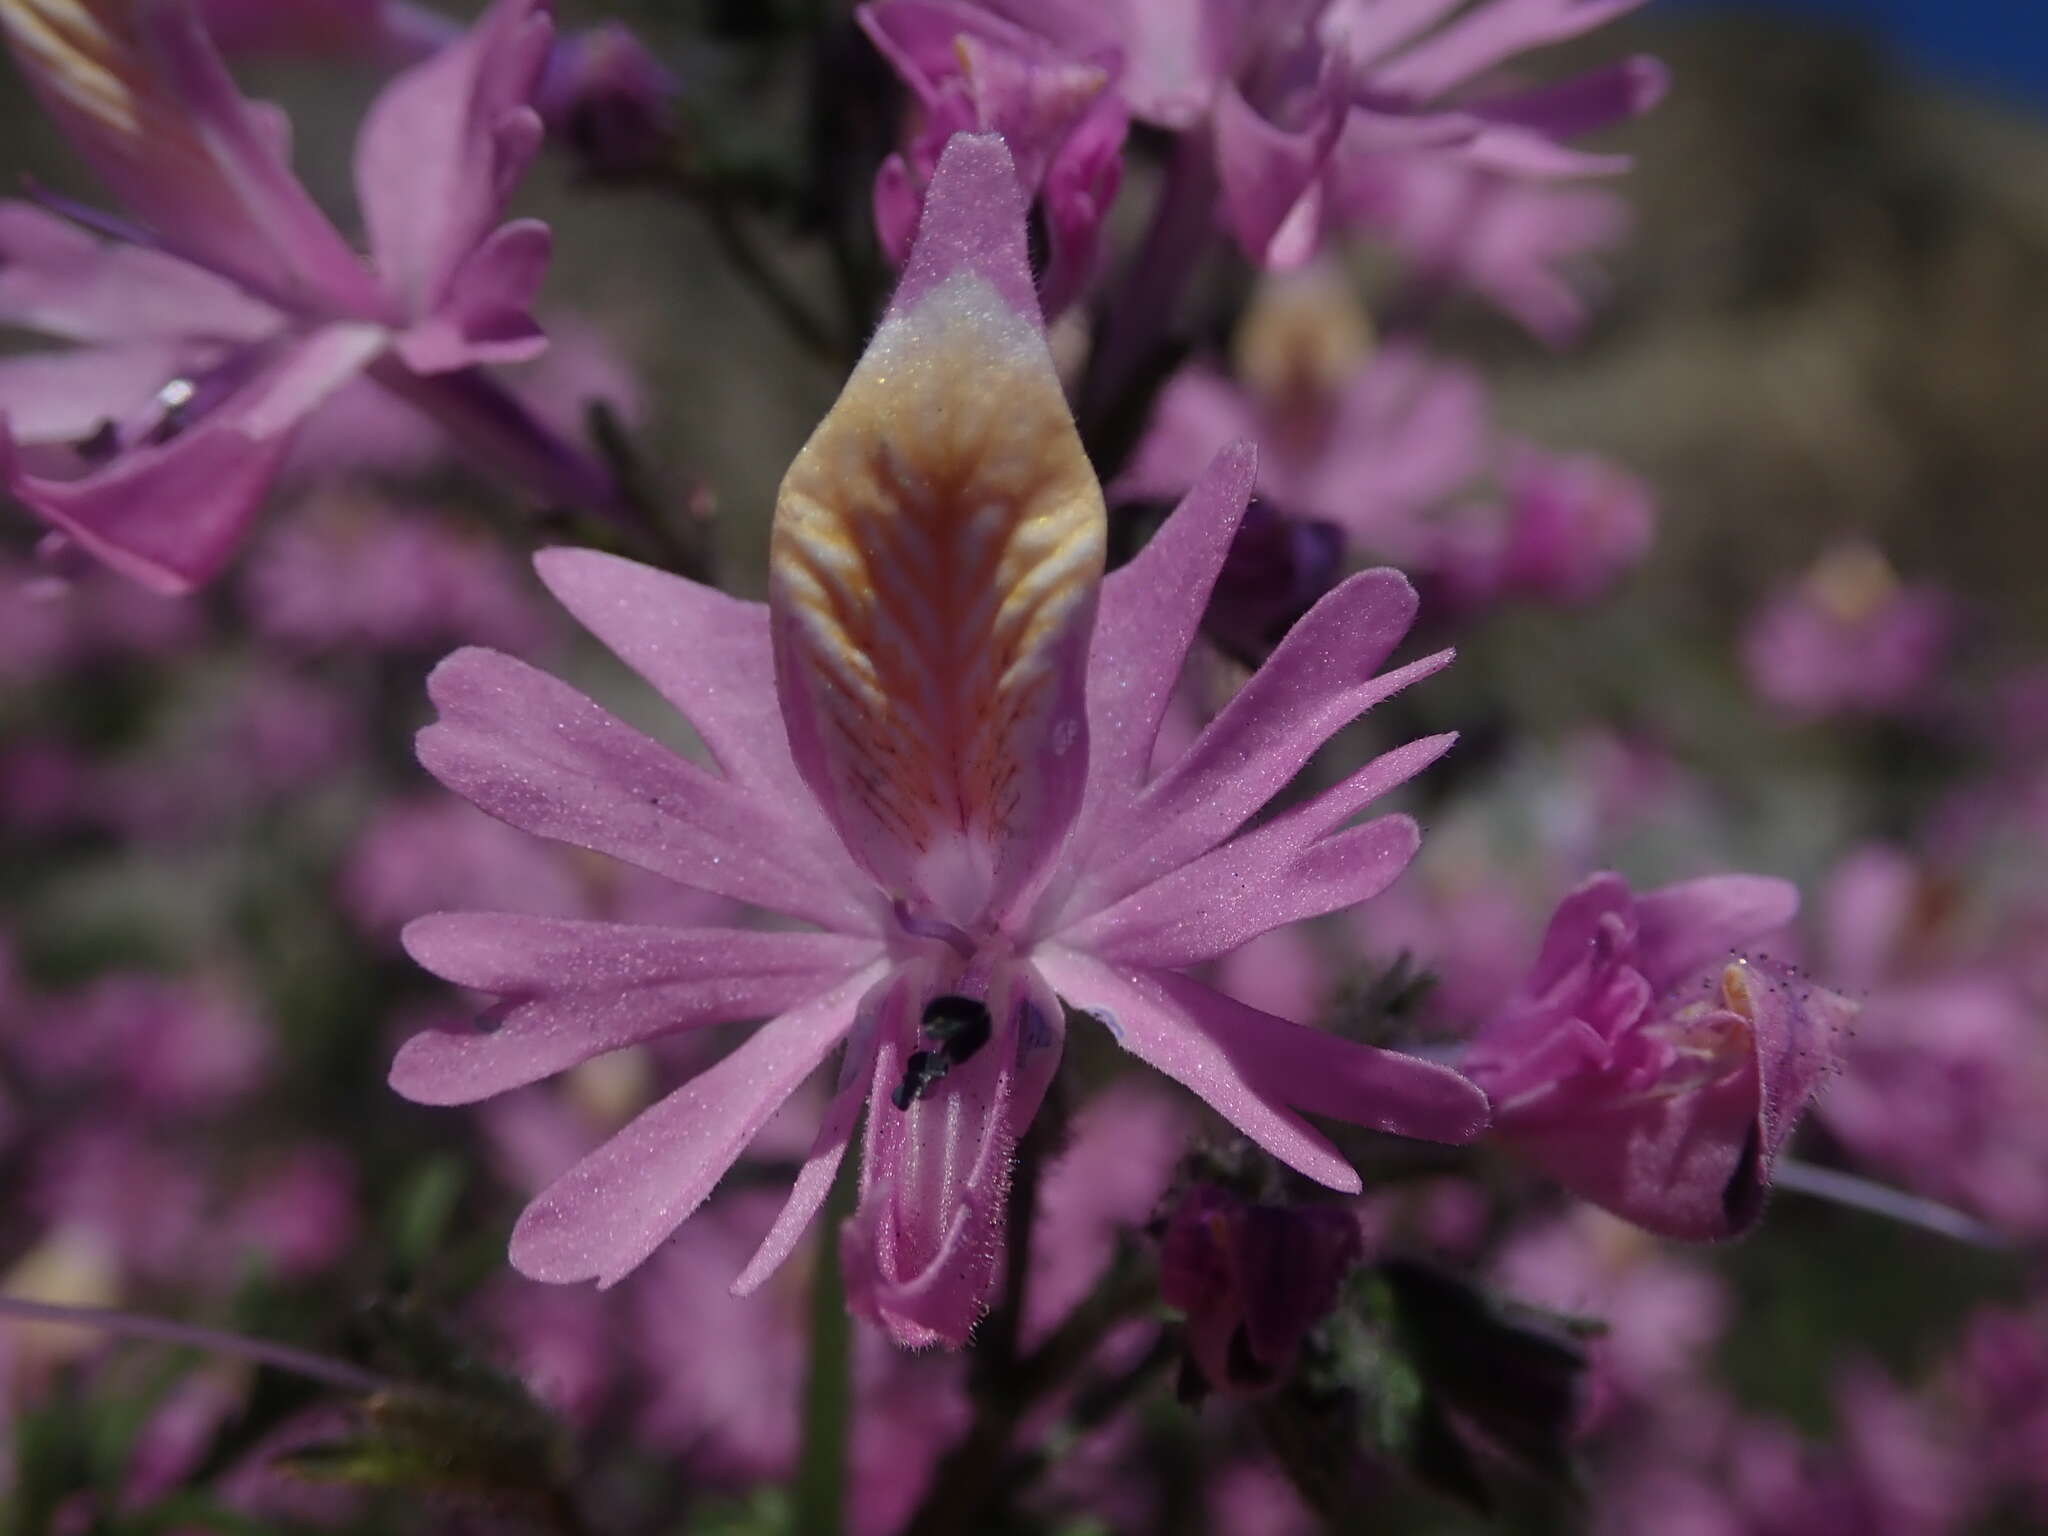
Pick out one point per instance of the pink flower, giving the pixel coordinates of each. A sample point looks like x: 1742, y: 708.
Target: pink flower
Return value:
x: 1372, y: 440
x: 236, y: 309
x: 1567, y: 528
x: 1252, y: 1280
x: 1849, y: 639
x: 972, y: 72
x: 1341, y: 113
x: 603, y: 93
x: 1649, y: 1068
x: 954, y: 792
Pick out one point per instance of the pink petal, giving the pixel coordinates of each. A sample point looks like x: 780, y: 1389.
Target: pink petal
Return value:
x: 1150, y: 612
x: 922, y: 1250
x: 814, y: 1179
x: 443, y: 147
x: 171, y: 515
x: 604, y: 1217
x: 706, y: 653
x: 1149, y: 1024
x: 532, y: 751
x: 574, y: 990
x: 1318, y: 680
x: 973, y: 222
x: 64, y: 397
x: 235, y: 206
x: 1234, y: 894
x: 1270, y: 174
x: 484, y: 316
x: 1692, y: 924
x: 1488, y: 35
x: 58, y: 280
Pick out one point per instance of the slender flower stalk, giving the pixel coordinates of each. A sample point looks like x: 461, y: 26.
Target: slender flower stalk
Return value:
x: 338, y: 1374
x: 956, y: 792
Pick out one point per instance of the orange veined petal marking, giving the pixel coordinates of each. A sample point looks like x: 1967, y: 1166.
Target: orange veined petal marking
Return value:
x: 937, y: 549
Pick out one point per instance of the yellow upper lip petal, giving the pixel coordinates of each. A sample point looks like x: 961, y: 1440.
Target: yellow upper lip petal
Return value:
x: 937, y: 548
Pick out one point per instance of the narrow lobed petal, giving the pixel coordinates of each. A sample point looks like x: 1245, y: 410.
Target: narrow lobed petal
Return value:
x: 532, y: 751
x: 708, y: 654
x: 573, y: 990
x: 1319, y: 679
x: 1258, y: 1071
x: 1286, y: 871
x: 442, y: 149
x: 933, y: 570
x: 602, y: 1218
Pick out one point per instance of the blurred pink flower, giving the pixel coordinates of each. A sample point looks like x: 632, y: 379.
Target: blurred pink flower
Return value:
x: 969, y: 71
x: 603, y: 95
x: 236, y: 309
x: 428, y: 855
x: 1372, y: 441
x: 1566, y: 529
x: 1999, y: 1380
x: 1849, y: 639
x: 300, y: 1213
x: 355, y: 571
x: 1941, y: 1087
x: 956, y: 793
x: 1649, y: 1067
x: 1663, y: 1313
x: 138, y: 1044
x: 1252, y: 1280
x: 1325, y: 113
x: 1892, y: 1473
x: 1516, y: 242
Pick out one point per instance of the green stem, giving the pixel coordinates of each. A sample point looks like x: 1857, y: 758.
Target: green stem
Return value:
x: 963, y: 1492
x: 828, y: 1386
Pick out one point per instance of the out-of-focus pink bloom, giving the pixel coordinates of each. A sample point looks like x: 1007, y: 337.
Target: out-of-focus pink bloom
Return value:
x: 1650, y: 1068
x: 242, y: 743
x: 1252, y: 1280
x: 300, y: 1213
x: 1849, y: 639
x: 1567, y: 527
x: 1370, y: 440
x: 970, y: 71
x: 1104, y: 1186
x: 140, y: 1202
x: 141, y: 1044
x: 1304, y: 100
x: 603, y: 95
x: 354, y: 571
x: 1662, y: 1313
x: 235, y: 309
x: 955, y: 791
x: 421, y: 856
x: 1999, y: 1378
x: 1281, y: 973
x: 1891, y: 1475
x: 609, y: 101
x: 727, y: 1375
x: 1941, y: 1088
x: 1512, y: 241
